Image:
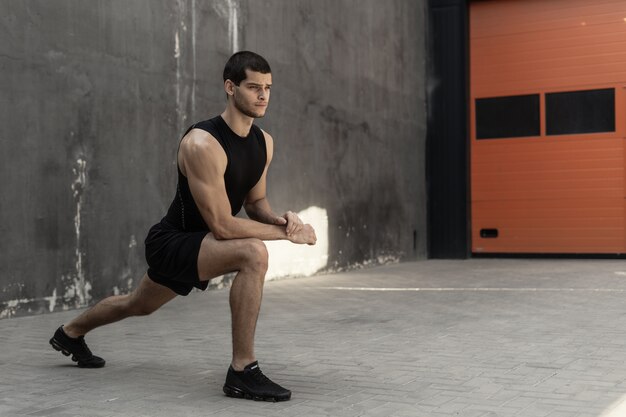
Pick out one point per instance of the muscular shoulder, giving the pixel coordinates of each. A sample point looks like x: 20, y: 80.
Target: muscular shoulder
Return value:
x: 200, y: 148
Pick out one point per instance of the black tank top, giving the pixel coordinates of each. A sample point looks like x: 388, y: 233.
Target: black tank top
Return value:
x: 246, y: 161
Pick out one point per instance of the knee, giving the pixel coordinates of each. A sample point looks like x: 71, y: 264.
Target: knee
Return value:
x: 255, y: 255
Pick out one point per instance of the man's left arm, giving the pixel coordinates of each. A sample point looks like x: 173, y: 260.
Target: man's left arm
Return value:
x: 258, y: 207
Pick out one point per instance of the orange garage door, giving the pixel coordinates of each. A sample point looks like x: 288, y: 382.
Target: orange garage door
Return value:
x: 548, y: 126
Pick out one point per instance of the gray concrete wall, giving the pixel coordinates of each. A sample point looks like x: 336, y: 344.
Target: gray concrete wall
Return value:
x: 95, y: 96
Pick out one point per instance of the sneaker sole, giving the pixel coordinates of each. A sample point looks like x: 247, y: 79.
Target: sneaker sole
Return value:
x: 234, y: 392
x: 60, y: 348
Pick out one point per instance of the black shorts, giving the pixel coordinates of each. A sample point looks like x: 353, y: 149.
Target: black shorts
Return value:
x: 172, y: 257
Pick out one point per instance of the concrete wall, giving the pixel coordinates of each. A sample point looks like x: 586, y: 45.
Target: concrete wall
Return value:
x: 95, y: 96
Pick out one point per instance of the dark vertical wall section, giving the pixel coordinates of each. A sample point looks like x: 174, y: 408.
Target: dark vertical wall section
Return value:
x: 447, y: 138
x: 96, y: 94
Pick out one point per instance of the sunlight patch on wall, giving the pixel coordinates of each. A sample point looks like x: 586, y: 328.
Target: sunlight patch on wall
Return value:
x: 288, y: 259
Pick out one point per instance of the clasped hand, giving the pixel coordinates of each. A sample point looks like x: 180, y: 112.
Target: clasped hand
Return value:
x: 297, y: 231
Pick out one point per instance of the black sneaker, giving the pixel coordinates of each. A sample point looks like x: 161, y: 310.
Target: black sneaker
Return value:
x: 77, y: 348
x: 253, y: 385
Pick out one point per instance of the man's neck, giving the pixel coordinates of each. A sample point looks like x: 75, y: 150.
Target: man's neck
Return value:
x: 238, y: 122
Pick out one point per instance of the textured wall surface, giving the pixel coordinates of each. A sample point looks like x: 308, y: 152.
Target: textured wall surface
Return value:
x: 95, y: 96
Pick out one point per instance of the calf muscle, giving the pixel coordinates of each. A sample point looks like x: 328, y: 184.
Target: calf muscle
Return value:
x: 145, y: 299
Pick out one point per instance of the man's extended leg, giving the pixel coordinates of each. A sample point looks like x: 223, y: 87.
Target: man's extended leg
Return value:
x: 145, y: 299
x: 249, y: 258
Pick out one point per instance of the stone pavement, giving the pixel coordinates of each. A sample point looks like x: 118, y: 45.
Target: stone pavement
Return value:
x: 482, y: 337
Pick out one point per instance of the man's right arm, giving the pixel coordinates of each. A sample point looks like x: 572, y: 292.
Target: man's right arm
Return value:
x: 203, y: 161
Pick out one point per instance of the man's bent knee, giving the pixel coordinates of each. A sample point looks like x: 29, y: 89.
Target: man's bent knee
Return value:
x: 255, y: 255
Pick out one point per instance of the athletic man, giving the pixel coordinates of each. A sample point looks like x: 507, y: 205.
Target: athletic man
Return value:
x: 222, y: 166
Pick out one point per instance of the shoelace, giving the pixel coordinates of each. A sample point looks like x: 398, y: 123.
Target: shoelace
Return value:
x: 81, y: 340
x: 258, y: 376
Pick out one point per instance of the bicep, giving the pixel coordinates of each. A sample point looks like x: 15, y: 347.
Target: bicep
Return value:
x: 205, y: 164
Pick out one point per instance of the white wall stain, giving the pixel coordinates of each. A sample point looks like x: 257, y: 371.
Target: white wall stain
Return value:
x: 177, y: 49
x: 78, y: 187
x: 52, y: 300
x: 184, y: 51
x: 379, y: 260
x: 179, y: 105
x: 179, y: 56
x: 233, y: 25
x: 288, y: 259
x: 229, y: 10
x: 11, y: 307
x: 127, y: 273
x: 79, y: 290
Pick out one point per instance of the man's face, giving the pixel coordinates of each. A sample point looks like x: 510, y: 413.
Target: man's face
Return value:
x: 252, y: 95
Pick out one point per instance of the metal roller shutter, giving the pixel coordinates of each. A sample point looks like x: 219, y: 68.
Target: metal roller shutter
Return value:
x: 548, y: 126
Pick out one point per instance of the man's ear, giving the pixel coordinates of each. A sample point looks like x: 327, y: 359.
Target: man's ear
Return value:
x: 229, y: 87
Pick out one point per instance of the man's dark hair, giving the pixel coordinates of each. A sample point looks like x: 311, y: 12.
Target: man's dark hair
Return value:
x: 235, y: 69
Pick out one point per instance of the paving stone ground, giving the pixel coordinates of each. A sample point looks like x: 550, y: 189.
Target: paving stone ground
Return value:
x: 474, y: 338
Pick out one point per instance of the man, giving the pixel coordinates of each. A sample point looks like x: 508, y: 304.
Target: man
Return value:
x: 222, y: 166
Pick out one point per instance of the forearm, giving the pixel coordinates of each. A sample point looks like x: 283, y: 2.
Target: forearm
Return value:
x: 238, y: 228
x: 261, y: 211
